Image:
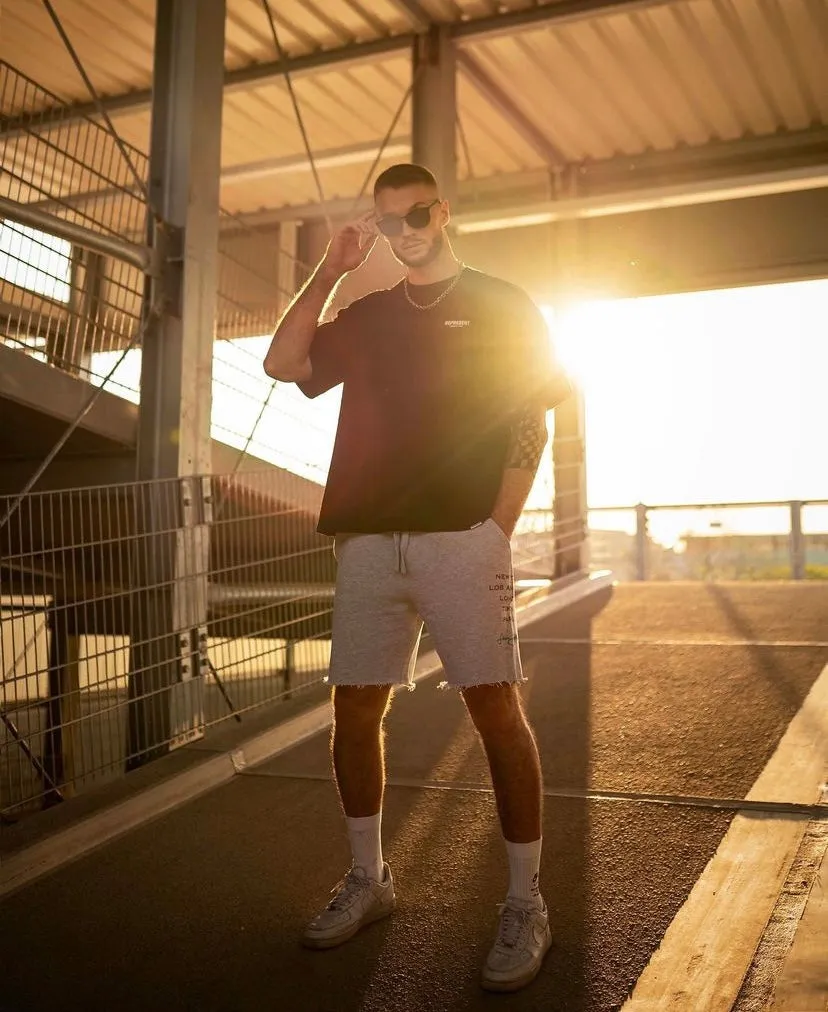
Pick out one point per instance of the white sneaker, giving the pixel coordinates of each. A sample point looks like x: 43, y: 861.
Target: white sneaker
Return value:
x: 523, y: 939
x: 357, y: 901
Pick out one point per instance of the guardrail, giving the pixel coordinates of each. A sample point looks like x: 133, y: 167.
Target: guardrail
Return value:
x: 728, y: 551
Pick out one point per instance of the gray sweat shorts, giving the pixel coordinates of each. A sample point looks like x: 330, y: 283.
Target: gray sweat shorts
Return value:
x: 459, y: 583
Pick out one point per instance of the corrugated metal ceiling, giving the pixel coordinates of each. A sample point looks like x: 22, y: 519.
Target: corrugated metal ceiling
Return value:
x: 654, y: 77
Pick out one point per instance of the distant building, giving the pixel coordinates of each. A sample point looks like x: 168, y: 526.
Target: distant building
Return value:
x: 616, y: 550
x: 749, y: 556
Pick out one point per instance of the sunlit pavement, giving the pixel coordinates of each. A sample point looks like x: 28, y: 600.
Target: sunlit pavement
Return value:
x: 661, y: 690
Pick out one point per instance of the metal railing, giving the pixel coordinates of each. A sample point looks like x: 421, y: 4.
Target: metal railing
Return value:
x: 77, y: 175
x: 71, y: 284
x: 94, y: 679
x: 135, y: 617
x: 102, y: 668
x: 74, y: 253
x: 763, y: 540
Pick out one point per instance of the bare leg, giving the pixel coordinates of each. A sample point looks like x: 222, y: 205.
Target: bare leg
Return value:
x: 357, y: 747
x: 513, y: 758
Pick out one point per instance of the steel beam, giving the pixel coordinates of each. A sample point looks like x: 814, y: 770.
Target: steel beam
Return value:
x: 351, y: 154
x: 507, y: 108
x: 788, y: 148
x: 804, y: 152
x: 469, y: 192
x: 415, y: 12
x: 434, y: 107
x: 332, y: 158
x: 234, y: 80
x: 475, y: 29
x: 168, y: 659
x: 561, y: 12
x: 684, y: 194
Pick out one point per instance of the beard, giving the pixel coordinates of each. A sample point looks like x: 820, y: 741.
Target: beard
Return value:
x: 428, y: 256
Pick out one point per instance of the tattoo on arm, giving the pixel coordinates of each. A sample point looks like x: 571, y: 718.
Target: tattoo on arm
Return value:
x: 528, y: 440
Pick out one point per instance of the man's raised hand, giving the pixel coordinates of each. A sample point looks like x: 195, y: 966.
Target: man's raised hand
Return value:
x: 350, y: 245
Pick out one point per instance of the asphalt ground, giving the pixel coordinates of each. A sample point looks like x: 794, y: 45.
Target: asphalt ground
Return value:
x: 203, y: 908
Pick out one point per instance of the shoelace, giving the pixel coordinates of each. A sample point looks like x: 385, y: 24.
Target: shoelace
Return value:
x: 345, y: 890
x: 514, y: 923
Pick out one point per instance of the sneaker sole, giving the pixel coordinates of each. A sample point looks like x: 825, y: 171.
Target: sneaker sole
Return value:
x: 330, y: 942
x: 504, y: 986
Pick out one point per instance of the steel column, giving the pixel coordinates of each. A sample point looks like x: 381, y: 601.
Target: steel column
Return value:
x: 642, y: 540
x: 168, y: 656
x: 798, y: 553
x: 570, y: 505
x: 287, y: 271
x: 434, y: 107
x: 62, y: 745
x: 69, y: 348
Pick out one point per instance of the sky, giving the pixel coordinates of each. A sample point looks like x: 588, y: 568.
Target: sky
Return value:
x: 704, y: 397
x: 711, y: 396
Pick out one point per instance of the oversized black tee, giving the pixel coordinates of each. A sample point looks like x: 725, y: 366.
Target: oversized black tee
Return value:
x: 428, y: 401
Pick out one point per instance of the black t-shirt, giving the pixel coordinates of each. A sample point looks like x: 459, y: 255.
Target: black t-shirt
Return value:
x: 428, y: 401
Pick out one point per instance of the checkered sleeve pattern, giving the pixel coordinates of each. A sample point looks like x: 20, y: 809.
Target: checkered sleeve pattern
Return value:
x: 528, y: 439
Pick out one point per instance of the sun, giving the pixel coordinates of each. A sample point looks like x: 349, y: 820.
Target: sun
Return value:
x: 576, y: 333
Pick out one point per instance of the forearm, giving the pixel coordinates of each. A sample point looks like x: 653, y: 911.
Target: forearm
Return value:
x: 515, y: 486
x: 287, y: 357
x: 526, y: 446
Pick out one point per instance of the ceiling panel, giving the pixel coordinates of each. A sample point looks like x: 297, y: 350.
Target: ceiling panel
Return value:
x: 669, y: 76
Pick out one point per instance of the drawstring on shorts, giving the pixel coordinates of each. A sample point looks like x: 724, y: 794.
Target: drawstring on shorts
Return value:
x: 401, y: 541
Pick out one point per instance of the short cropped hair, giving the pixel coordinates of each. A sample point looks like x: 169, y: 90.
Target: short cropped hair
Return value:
x: 404, y: 174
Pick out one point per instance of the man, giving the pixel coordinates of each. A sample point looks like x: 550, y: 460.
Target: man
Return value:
x: 447, y: 377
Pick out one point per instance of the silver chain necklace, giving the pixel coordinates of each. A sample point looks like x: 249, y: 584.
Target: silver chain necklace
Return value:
x: 439, y: 299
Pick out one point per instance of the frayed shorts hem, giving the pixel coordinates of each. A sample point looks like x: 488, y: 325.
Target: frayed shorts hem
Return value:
x: 368, y: 685
x: 411, y: 686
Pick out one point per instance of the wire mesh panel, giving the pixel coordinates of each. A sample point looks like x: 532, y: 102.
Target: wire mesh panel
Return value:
x: 257, y: 276
x: 73, y: 169
x: 271, y: 591
x: 61, y: 302
x: 103, y: 665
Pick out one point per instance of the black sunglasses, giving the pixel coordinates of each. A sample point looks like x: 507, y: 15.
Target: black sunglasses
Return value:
x: 418, y: 217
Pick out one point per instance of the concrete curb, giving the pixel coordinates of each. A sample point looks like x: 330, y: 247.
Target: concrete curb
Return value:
x: 70, y: 844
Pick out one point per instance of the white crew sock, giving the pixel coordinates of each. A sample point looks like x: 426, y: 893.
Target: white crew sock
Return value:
x: 366, y: 845
x: 524, y: 871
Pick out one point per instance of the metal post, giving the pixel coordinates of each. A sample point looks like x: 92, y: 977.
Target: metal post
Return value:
x: 71, y: 347
x: 286, y: 270
x: 434, y: 107
x: 797, y: 543
x: 641, y: 541
x: 290, y: 666
x: 310, y: 241
x: 570, y: 506
x: 61, y: 746
x: 169, y: 614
